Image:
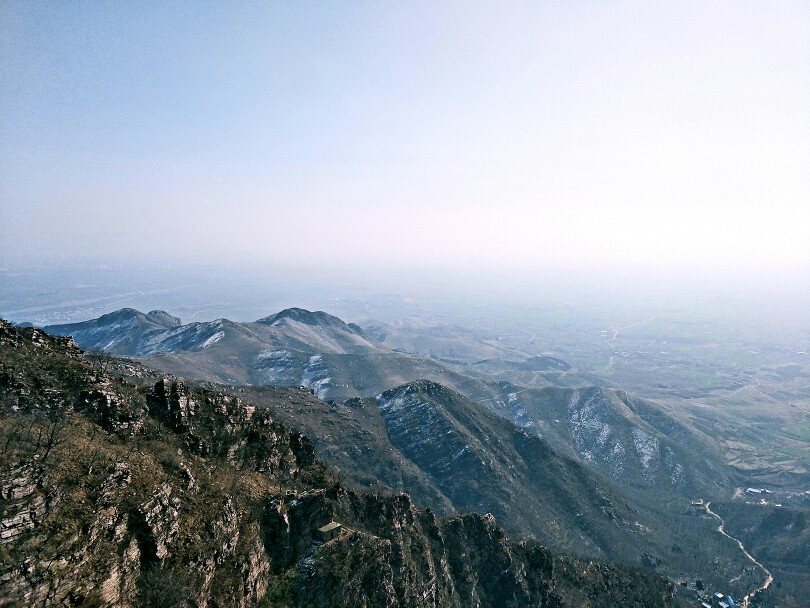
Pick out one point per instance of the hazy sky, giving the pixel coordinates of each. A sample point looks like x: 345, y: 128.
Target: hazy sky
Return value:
x: 615, y: 135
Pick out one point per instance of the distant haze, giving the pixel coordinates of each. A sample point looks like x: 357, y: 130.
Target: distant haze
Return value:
x: 620, y: 137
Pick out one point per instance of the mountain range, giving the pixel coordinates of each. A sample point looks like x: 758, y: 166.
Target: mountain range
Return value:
x: 125, y: 487
x: 463, y: 424
x: 629, y: 439
x: 584, y: 469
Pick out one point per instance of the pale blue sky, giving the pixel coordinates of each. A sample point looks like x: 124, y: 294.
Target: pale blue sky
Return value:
x: 615, y: 135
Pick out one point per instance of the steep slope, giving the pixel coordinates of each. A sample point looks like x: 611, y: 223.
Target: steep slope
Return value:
x: 482, y: 462
x: 629, y: 439
x: 115, y: 494
x: 452, y: 454
x: 109, y: 491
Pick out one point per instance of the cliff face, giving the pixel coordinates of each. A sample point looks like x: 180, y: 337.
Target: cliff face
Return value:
x: 115, y: 494
x: 110, y: 492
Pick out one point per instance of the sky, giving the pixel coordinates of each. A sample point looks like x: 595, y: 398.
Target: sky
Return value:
x: 613, y: 137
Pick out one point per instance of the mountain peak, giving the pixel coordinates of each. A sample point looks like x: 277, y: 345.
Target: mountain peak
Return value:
x: 121, y: 314
x: 164, y: 318
x: 307, y: 317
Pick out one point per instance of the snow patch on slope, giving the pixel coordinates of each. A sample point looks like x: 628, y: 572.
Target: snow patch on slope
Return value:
x: 316, y: 376
x: 191, y: 337
x: 213, y: 339
x: 518, y: 413
x: 588, y: 430
x: 647, y: 450
x: 677, y: 473
x: 276, y: 365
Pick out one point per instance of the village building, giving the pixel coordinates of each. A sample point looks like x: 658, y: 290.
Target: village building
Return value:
x: 330, y: 531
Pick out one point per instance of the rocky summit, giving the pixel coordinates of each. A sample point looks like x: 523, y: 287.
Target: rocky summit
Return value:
x: 123, y: 487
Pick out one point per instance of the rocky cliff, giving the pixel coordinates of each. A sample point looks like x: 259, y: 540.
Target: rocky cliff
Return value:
x: 117, y: 492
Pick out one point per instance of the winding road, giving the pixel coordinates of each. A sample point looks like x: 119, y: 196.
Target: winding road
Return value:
x: 769, y: 576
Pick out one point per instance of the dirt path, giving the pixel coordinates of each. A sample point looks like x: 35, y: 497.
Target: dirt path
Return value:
x: 768, y: 575
x: 616, y: 331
